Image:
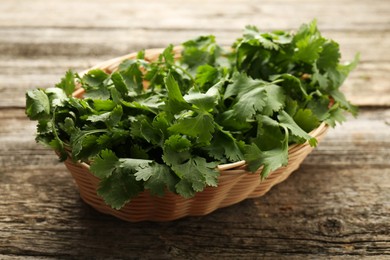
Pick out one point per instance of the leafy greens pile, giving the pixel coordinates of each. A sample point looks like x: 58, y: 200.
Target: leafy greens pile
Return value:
x: 166, y: 124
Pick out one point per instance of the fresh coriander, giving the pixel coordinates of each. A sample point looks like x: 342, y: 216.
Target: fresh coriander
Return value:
x: 166, y: 124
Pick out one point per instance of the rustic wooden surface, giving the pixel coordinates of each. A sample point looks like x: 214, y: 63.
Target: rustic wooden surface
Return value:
x: 337, y: 205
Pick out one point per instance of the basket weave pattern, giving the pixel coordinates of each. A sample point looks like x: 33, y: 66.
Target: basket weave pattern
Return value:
x: 235, y: 183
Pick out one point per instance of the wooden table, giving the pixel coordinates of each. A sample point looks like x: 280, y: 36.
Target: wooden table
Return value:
x: 337, y: 205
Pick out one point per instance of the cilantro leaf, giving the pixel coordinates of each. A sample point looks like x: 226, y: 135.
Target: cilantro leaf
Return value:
x: 306, y: 119
x: 329, y: 56
x: 253, y: 95
x: 200, y: 51
x: 254, y: 37
x: 224, y: 145
x: 37, y: 104
x: 270, y: 159
x: 308, y: 43
x: 176, y: 150
x: 197, y: 173
x: 67, y: 83
x: 200, y: 126
x: 269, y: 134
x: 103, y: 105
x: 119, y: 83
x: 132, y: 77
x: 94, y: 84
x: 340, y: 98
x: 288, y: 122
x: 57, y: 97
x: 165, y: 123
x: 204, y: 101
x: 206, y: 74
x: 104, y: 164
x: 119, y: 188
x: 157, y: 177
x: 175, y: 102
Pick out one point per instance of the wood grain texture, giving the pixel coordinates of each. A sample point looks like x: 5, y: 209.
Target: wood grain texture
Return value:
x: 88, y: 33
x: 336, y: 206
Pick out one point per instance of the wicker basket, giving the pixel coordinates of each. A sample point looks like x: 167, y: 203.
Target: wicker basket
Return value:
x: 235, y: 183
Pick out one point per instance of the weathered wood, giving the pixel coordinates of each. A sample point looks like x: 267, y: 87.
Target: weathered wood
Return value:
x: 219, y: 14
x: 336, y: 204
x: 367, y: 85
x: 77, y: 41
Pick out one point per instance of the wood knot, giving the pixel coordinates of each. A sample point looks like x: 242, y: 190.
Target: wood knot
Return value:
x: 331, y: 226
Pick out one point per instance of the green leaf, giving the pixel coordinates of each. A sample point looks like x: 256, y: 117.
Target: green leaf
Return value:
x: 137, y: 152
x: 119, y: 83
x: 140, y: 107
x: 291, y: 85
x: 184, y: 188
x: 94, y: 82
x: 95, y: 77
x: 69, y: 126
x: 119, y: 188
x: 204, y: 101
x: 306, y: 119
x: 254, y: 96
x: 340, y: 98
x: 44, y: 126
x: 270, y: 160
x: 255, y: 38
x: 335, y: 115
x: 37, y: 104
x: 57, y: 97
x: 269, y: 135
x: 103, y: 105
x: 178, y: 143
x: 320, y: 107
x: 132, y: 78
x: 330, y: 55
x: 157, y: 178
x: 111, y: 119
x: 201, y: 127
x: 200, y: 51
x: 176, y: 150
x: 104, y: 164
x: 206, y: 74
x: 175, y: 102
x: 168, y: 55
x: 196, y: 172
x: 144, y: 129
x: 288, y: 122
x: 67, y: 83
x: 115, y: 116
x: 224, y: 145
x: 241, y: 84
x: 308, y: 43
x: 99, y: 118
x: 83, y: 143
x: 275, y: 99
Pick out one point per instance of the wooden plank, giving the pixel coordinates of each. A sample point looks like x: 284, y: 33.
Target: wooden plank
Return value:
x: 75, y: 40
x: 367, y: 86
x: 335, y: 205
x: 91, y: 42
x: 218, y: 14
